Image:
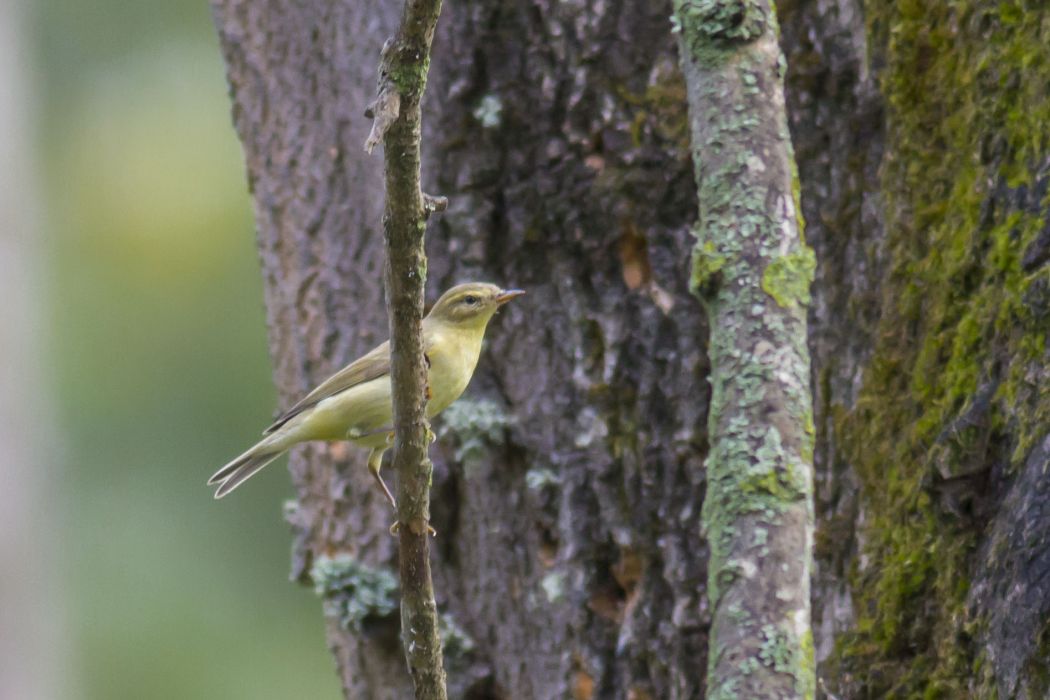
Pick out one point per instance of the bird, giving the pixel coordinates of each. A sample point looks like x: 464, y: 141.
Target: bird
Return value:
x: 355, y: 403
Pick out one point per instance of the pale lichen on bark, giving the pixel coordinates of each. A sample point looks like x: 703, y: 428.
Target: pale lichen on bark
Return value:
x: 752, y: 269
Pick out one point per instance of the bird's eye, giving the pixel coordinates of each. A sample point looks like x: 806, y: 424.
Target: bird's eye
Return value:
x: 470, y: 299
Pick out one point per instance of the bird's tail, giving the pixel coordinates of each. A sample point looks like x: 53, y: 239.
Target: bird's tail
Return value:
x: 244, y: 467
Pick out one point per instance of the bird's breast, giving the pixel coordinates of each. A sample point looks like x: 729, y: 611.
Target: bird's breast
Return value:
x: 452, y: 363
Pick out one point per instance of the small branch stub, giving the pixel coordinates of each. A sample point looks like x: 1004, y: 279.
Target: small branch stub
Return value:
x: 431, y: 204
x: 383, y: 112
x: 385, y: 108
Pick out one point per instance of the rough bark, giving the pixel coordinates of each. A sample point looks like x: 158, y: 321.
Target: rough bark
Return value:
x: 922, y: 143
x: 398, y: 125
x: 561, y: 140
x: 569, y: 556
x: 836, y: 117
x: 300, y: 76
x: 753, y: 270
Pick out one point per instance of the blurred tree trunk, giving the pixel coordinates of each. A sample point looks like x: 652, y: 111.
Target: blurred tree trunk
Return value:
x: 33, y: 648
x: 568, y: 502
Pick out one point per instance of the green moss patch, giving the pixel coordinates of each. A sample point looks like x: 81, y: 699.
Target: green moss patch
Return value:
x: 787, y: 278
x: 965, y: 182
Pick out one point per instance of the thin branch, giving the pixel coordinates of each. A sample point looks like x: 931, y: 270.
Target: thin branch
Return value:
x: 397, y: 115
x: 433, y: 204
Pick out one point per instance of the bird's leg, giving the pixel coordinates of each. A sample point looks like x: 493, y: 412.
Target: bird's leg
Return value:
x: 375, y: 463
x: 375, y: 458
x: 396, y: 526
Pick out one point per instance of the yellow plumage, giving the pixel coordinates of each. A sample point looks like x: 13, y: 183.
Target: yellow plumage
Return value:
x: 355, y: 403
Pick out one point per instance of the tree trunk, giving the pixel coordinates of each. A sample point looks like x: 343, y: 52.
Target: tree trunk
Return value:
x: 566, y: 493
x: 574, y: 557
x: 300, y: 77
x: 922, y: 139
x: 753, y: 270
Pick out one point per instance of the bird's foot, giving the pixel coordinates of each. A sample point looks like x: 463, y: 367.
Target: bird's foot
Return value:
x: 395, y: 528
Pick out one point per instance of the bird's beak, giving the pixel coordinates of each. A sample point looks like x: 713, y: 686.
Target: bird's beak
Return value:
x: 508, y: 294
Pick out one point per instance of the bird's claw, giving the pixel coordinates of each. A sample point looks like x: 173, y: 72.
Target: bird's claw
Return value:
x: 395, y: 528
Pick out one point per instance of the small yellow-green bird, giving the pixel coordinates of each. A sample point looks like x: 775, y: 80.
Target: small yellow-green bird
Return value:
x: 355, y: 403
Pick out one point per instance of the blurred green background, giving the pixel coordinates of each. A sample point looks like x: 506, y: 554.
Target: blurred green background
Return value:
x: 157, y: 339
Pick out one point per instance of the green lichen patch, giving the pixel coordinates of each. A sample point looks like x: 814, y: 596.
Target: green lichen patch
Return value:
x: 787, y: 278
x: 538, y: 479
x: 953, y: 378
x: 455, y: 641
x: 782, y: 652
x: 553, y: 585
x: 708, y: 27
x: 475, y: 425
x: 749, y: 474
x: 707, y: 265
x: 410, y: 76
x: 776, y: 650
x: 659, y: 113
x: 352, y: 590
x: 489, y: 111
x: 807, y: 682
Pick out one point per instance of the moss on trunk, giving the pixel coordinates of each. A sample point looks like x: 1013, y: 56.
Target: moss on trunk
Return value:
x: 950, y: 406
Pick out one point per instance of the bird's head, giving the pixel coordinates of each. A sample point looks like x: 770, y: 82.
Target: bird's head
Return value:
x: 470, y: 305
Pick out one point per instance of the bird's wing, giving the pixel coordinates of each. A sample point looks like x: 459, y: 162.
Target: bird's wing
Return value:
x: 374, y: 365
x: 364, y: 369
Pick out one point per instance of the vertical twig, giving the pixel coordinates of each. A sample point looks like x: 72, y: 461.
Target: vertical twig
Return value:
x: 752, y: 269
x: 396, y: 111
